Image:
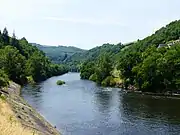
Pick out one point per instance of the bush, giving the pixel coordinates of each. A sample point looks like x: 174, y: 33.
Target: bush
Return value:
x: 30, y: 80
x: 60, y: 82
x: 4, y: 80
x: 93, y: 77
x: 108, y: 81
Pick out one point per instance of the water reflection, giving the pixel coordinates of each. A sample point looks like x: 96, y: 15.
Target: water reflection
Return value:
x: 151, y: 108
x: 34, y: 95
x: 82, y: 108
x: 102, y: 100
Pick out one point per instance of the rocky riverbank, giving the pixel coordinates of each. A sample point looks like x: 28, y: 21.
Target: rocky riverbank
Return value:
x: 25, y: 114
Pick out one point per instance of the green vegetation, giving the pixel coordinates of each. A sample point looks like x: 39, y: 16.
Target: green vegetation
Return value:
x: 76, y: 60
x: 4, y: 80
x: 61, y: 54
x: 30, y: 80
x: 141, y: 64
x: 73, y: 57
x: 100, y: 69
x: 20, y: 61
x: 60, y: 82
x: 3, y: 97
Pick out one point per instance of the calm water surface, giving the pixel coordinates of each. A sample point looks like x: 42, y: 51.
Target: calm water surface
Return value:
x: 82, y: 108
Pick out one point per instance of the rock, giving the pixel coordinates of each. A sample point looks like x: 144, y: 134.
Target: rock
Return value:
x: 19, y: 116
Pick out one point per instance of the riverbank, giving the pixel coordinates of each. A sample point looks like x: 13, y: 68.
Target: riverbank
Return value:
x: 132, y: 89
x: 166, y: 95
x: 20, y: 117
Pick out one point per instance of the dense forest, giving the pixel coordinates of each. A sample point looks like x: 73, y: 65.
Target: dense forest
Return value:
x: 76, y: 60
x: 21, y: 62
x: 73, y: 57
x: 65, y: 55
x: 151, y: 64
x: 58, y: 54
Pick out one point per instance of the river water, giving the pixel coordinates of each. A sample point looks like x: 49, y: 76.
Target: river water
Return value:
x: 80, y: 107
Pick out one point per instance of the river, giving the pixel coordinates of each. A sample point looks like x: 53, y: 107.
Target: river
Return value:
x: 80, y: 107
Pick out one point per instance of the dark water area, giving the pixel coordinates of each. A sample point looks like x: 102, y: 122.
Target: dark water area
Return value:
x: 80, y: 107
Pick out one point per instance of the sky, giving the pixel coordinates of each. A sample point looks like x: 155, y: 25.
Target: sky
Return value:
x: 86, y: 23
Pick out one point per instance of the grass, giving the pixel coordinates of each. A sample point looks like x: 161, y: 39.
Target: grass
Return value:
x: 3, y: 97
x: 9, y: 125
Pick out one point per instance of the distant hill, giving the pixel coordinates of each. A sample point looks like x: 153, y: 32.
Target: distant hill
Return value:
x: 94, y: 53
x: 74, y: 57
x: 76, y: 60
x: 59, y: 54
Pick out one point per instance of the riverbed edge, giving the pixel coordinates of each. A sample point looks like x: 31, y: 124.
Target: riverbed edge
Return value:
x: 26, y: 114
x: 134, y: 90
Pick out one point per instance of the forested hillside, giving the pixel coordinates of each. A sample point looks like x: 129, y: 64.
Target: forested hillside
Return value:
x: 58, y: 54
x: 142, y: 65
x: 76, y: 60
x: 21, y: 62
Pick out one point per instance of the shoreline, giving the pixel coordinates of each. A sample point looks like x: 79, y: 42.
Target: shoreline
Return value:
x: 25, y: 114
x: 165, y: 95
x: 134, y: 90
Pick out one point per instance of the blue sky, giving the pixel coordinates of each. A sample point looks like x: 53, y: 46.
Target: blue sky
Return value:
x: 86, y: 23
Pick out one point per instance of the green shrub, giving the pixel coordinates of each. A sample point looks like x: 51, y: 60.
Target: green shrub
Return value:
x: 108, y: 81
x: 3, y: 97
x: 4, y: 80
x: 60, y: 82
x: 30, y: 80
x: 93, y: 77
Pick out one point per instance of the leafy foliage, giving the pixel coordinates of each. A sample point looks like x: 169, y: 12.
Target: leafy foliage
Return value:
x: 59, y: 54
x: 94, y: 53
x: 73, y: 57
x: 108, y: 81
x: 87, y: 70
x: 98, y: 72
x: 20, y: 60
x: 150, y: 68
x: 4, y: 81
x: 13, y: 63
x: 141, y: 64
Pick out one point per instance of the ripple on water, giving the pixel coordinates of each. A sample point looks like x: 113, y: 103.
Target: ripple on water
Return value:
x: 80, y: 107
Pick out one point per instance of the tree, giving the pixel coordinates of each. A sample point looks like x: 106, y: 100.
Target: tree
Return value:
x: 1, y: 40
x: 19, y: 61
x: 5, y: 36
x: 126, y: 62
x: 37, y: 66
x: 104, y: 67
x: 87, y: 69
x: 13, y: 63
x: 14, y: 41
x: 4, y: 80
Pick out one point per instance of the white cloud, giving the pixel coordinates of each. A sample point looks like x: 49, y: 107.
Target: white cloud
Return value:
x: 86, y: 21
